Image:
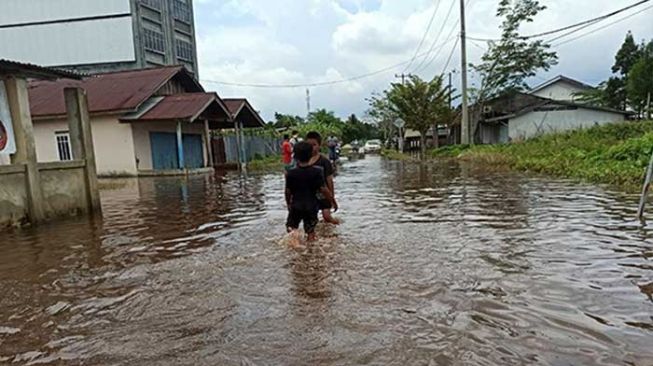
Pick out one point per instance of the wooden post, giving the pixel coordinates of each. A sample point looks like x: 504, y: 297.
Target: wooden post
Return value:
x: 238, y: 143
x: 18, y: 99
x: 243, y: 144
x: 180, y: 146
x: 81, y: 141
x: 647, y: 184
x: 209, y: 146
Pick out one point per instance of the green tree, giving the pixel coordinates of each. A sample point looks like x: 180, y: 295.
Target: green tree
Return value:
x: 509, y: 62
x: 381, y: 112
x: 286, y: 120
x: 640, y: 81
x: 627, y: 56
x: 422, y: 104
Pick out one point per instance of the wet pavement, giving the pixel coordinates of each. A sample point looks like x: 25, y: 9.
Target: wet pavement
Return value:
x: 435, y: 264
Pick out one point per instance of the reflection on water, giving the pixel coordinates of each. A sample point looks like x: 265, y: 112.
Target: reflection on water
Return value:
x: 434, y: 264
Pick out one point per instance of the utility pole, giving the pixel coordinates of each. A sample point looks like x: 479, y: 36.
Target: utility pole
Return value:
x: 648, y: 106
x: 450, y: 92
x: 308, y: 102
x: 403, y: 77
x: 465, y: 132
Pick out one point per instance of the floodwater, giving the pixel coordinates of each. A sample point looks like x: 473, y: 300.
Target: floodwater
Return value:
x: 435, y: 264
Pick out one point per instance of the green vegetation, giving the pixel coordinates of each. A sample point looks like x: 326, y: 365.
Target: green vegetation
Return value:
x: 615, y: 154
x: 272, y: 162
x: 327, y: 124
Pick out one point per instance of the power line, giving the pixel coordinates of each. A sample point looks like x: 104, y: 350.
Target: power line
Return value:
x: 322, y: 83
x: 558, y: 30
x: 435, y: 54
x: 435, y: 40
x: 602, y: 27
x: 426, y: 32
x: 446, y: 65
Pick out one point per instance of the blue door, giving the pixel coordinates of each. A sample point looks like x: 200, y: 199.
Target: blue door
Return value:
x: 193, y: 151
x: 164, y: 150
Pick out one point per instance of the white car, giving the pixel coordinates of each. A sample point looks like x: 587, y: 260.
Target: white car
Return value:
x: 372, y: 146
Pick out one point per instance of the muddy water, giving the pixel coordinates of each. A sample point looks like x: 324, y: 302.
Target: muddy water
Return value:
x: 433, y: 265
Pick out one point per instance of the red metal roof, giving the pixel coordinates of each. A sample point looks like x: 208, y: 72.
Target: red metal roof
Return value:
x: 242, y: 110
x: 121, y: 91
x: 234, y: 104
x: 8, y: 67
x: 182, y: 107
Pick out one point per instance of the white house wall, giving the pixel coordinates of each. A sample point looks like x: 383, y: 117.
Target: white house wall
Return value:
x: 31, y: 11
x: 538, y: 123
x: 559, y: 91
x: 143, y: 146
x: 68, y: 43
x: 113, y: 144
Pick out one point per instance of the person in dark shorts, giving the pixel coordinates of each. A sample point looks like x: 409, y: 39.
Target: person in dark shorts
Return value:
x: 303, y: 183
x: 319, y: 160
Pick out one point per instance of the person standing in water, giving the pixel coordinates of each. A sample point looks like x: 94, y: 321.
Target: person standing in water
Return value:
x: 286, y: 152
x: 315, y: 139
x: 303, y: 184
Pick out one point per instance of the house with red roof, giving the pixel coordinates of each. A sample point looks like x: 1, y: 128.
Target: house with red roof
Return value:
x: 144, y: 122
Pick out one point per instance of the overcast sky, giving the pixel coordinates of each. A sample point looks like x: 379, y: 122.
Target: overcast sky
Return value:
x: 307, y: 41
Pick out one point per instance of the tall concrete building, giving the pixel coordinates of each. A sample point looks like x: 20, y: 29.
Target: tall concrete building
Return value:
x: 99, y: 35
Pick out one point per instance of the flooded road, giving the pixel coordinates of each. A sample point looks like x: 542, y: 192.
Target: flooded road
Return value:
x: 435, y: 264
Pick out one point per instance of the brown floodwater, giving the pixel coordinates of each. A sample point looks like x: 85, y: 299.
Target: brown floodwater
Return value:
x: 435, y: 264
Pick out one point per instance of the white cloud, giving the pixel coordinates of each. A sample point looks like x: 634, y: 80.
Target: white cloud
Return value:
x: 304, y: 41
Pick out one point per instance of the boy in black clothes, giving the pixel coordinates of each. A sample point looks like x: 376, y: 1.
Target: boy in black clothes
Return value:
x: 302, y: 185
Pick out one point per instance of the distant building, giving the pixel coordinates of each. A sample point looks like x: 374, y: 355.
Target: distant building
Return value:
x: 99, y: 35
x: 548, y: 108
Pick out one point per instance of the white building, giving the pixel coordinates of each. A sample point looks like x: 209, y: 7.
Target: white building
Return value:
x: 99, y: 35
x: 548, y: 108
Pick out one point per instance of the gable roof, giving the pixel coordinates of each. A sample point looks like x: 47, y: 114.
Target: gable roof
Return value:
x: 243, y: 112
x: 539, y: 102
x: 561, y: 78
x: 185, y: 107
x: 8, y: 67
x: 114, y: 92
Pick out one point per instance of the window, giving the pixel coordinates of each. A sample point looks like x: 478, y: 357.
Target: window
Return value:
x: 184, y: 50
x: 63, y: 146
x: 154, y: 41
x: 181, y: 10
x: 154, y: 4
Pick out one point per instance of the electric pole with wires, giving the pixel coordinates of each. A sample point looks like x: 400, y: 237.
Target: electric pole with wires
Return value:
x: 465, y: 133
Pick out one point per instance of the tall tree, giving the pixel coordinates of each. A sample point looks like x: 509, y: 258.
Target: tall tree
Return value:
x: 640, y: 81
x: 382, y: 114
x: 510, y: 61
x: 627, y: 56
x: 422, y: 104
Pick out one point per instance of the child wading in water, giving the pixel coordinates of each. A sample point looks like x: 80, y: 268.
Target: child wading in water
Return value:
x: 303, y: 183
x: 319, y: 160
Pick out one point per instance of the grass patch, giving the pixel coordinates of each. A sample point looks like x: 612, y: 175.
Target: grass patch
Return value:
x: 615, y: 154
x: 266, y: 163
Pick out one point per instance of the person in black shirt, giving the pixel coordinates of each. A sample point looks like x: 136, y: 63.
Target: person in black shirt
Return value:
x: 303, y: 183
x: 315, y: 139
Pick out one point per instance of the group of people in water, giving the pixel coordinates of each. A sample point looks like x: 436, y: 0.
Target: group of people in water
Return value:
x: 309, y: 184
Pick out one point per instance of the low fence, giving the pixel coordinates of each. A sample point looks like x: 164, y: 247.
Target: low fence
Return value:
x: 225, y: 148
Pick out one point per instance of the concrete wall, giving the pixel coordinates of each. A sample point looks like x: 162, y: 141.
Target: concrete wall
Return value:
x: 112, y: 140
x: 538, y: 123
x: 143, y: 148
x: 64, y: 189
x: 559, y: 91
x: 13, y: 196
